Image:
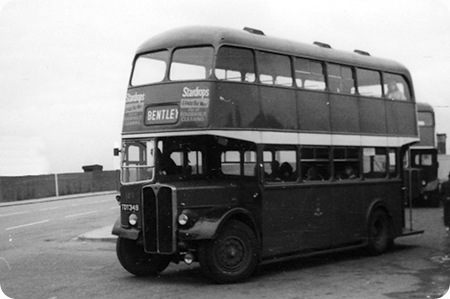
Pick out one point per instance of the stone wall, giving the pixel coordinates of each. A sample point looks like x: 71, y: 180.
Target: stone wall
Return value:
x: 39, y: 186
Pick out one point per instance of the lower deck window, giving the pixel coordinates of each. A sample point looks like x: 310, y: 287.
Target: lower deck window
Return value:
x: 374, y: 163
x: 346, y: 163
x: 315, y: 164
x: 280, y: 165
x: 239, y: 163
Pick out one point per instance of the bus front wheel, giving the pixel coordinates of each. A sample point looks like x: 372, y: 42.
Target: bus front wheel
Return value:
x: 379, y: 233
x: 232, y: 256
x: 136, y: 261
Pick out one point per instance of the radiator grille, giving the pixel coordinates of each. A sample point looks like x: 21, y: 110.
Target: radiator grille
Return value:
x: 158, y: 220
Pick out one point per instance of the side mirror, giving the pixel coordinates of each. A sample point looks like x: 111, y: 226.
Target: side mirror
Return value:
x: 116, y: 151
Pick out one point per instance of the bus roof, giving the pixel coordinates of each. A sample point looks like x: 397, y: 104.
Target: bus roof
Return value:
x: 205, y: 35
x: 424, y: 107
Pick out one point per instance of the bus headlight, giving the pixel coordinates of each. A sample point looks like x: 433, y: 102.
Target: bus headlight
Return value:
x: 187, y: 218
x: 132, y: 219
x: 183, y: 219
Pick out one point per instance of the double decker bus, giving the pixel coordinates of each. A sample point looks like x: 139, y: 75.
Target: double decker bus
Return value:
x: 423, y: 161
x: 240, y: 149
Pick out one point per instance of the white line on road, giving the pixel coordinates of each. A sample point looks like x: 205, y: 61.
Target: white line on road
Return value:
x: 48, y: 209
x: 28, y: 224
x: 12, y: 214
x: 91, y: 202
x: 80, y: 214
x: 6, y: 262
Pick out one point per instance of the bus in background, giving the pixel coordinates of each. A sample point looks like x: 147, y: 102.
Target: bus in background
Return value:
x: 240, y: 149
x: 423, y: 161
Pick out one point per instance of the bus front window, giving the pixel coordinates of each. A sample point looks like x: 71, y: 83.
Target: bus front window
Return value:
x: 138, y: 161
x: 149, y: 68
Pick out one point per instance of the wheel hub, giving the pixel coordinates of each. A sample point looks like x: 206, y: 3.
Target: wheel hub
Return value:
x: 231, y: 253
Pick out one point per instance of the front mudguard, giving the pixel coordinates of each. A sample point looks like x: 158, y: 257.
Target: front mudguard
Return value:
x: 207, y: 226
x: 127, y: 233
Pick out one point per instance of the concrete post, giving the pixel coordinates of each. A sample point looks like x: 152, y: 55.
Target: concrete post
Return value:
x: 56, y: 184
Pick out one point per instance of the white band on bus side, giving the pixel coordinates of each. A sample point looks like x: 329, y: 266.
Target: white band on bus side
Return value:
x: 273, y: 137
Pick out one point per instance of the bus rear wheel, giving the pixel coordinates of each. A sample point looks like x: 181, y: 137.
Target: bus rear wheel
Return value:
x: 136, y: 261
x: 232, y: 256
x: 379, y: 233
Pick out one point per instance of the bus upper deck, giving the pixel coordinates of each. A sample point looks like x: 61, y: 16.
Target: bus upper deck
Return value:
x: 222, y: 80
x: 427, y: 126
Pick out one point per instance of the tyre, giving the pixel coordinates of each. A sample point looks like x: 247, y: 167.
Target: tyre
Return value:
x: 232, y: 256
x: 379, y: 233
x: 133, y: 258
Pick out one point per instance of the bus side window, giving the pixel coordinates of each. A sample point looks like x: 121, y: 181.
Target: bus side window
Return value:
x: 309, y: 74
x: 195, y: 162
x: 250, y: 163
x: 340, y: 79
x: 374, y: 163
x: 191, y: 63
x: 266, y: 79
x: 315, y: 164
x: 395, y: 87
x: 231, y: 162
x: 239, y: 163
x: 274, y: 69
x: 346, y: 163
x: 235, y: 64
x: 369, y: 83
x: 280, y: 165
x: 393, y: 167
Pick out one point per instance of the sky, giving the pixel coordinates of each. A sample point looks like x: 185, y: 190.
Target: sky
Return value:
x: 64, y: 64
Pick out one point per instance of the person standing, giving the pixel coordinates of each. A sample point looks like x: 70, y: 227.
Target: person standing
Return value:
x: 445, y: 192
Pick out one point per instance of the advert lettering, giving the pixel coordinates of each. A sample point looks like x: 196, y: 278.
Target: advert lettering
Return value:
x: 135, y: 98
x: 195, y: 93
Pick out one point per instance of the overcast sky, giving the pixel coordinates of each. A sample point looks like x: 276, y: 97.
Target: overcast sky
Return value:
x: 64, y: 64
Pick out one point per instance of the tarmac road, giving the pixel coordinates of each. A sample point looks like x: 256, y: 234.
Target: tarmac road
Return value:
x: 72, y: 255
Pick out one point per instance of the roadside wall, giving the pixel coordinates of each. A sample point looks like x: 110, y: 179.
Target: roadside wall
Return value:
x: 39, y: 186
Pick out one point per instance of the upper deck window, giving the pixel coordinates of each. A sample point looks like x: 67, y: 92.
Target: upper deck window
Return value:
x: 426, y: 118
x: 235, y: 64
x: 274, y: 69
x: 191, y: 63
x: 369, y: 83
x: 309, y: 74
x: 150, y: 68
x: 395, y: 87
x: 340, y: 79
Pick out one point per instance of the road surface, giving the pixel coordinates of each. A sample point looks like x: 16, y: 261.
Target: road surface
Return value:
x: 41, y: 256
